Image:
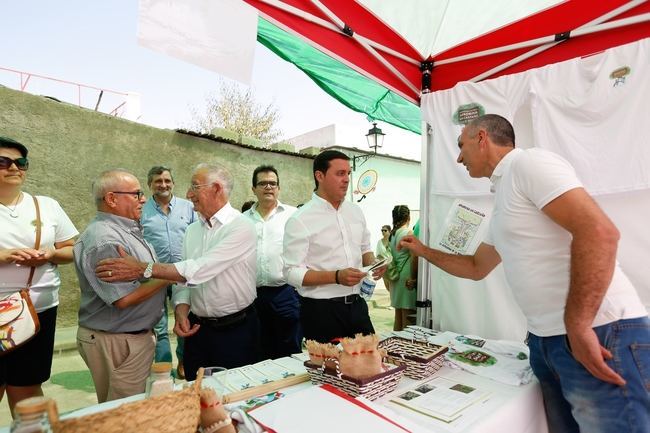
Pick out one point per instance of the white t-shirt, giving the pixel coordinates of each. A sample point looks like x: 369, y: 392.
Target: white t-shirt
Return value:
x: 21, y: 233
x: 536, y: 252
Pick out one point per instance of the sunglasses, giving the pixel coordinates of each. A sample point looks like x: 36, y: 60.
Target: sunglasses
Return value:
x: 21, y: 163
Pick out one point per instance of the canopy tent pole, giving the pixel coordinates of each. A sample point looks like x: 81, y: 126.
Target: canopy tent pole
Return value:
x: 423, y: 303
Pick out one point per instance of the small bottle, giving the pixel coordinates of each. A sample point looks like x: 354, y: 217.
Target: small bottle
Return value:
x: 32, y: 416
x: 367, y: 287
x: 160, y: 380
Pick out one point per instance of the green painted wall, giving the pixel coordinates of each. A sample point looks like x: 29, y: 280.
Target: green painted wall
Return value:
x: 69, y: 146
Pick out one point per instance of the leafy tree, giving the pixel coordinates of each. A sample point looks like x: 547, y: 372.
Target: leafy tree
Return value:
x: 236, y: 110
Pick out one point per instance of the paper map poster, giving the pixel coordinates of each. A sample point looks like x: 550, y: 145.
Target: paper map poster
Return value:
x: 463, y: 229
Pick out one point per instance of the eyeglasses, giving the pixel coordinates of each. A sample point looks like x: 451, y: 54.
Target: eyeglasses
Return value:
x: 138, y: 193
x: 267, y: 184
x: 21, y: 163
x: 196, y: 187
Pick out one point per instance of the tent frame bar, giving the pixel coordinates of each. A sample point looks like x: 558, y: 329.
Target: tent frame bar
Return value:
x: 343, y: 28
x: 581, y: 31
x: 489, y: 73
x: 330, y: 26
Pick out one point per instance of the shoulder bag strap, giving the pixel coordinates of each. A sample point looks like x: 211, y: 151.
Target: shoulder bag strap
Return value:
x: 37, y: 242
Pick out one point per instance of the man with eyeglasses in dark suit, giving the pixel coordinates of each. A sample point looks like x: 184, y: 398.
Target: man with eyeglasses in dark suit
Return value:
x: 115, y: 336
x: 277, y: 301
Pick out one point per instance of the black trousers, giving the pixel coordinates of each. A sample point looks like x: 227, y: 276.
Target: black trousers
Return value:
x: 279, y: 312
x: 230, y: 346
x: 324, y: 320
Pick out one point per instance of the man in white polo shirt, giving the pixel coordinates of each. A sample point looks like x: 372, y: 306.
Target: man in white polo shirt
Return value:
x: 589, y: 333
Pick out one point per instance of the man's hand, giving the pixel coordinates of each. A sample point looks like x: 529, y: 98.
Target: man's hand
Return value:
x: 587, y: 351
x: 182, y: 322
x: 350, y: 276
x: 125, y: 268
x: 379, y: 272
x: 411, y: 243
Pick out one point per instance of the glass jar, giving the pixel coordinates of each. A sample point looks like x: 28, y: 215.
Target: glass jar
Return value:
x: 32, y: 415
x: 160, y: 380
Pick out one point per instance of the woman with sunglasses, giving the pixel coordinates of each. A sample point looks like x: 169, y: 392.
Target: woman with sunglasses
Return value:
x: 23, y: 370
x: 383, y: 250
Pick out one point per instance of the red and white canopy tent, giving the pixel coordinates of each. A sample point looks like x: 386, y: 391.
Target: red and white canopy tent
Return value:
x: 415, y: 46
x: 411, y: 48
x: 383, y: 57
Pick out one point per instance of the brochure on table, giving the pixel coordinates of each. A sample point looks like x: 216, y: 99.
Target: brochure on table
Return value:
x: 441, y: 398
x: 250, y: 376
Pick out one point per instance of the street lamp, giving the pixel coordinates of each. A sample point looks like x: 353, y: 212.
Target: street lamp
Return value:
x: 375, y: 138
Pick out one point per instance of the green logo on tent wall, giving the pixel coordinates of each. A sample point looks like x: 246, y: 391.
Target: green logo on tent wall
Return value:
x: 467, y: 112
x: 619, y: 75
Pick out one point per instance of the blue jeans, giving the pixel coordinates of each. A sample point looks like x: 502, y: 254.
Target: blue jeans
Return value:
x: 576, y: 401
x: 163, y: 347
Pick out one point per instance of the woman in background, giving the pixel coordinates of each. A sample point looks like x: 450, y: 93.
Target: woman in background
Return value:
x: 402, y: 298
x: 23, y: 370
x: 383, y: 250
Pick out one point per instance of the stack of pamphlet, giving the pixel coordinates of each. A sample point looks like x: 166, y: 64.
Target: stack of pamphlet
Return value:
x: 441, y: 398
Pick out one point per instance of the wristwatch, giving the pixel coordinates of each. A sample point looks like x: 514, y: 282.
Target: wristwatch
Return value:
x: 148, y: 272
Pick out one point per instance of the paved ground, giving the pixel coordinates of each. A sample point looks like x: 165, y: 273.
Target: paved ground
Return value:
x: 71, y: 385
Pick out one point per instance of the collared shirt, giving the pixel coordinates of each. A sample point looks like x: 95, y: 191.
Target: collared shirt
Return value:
x: 270, y: 233
x: 320, y: 238
x: 100, y: 241
x: 218, y: 264
x: 536, y: 251
x: 166, y: 231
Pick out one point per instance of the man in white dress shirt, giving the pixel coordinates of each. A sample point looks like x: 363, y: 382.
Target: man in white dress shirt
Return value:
x: 214, y: 306
x: 277, y: 302
x: 326, y: 242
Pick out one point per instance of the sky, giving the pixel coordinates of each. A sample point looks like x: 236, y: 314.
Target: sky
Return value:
x: 94, y: 43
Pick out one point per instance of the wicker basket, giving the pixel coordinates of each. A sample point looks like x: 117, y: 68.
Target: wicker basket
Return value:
x: 371, y: 388
x: 421, y: 359
x: 174, y: 412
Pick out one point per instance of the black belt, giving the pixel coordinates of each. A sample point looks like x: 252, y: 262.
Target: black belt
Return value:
x: 142, y: 331
x: 349, y: 299
x: 230, y: 319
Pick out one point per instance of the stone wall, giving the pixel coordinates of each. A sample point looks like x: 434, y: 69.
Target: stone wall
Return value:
x: 69, y: 146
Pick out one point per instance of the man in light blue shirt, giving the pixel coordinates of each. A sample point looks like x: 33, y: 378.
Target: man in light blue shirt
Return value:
x: 164, y: 220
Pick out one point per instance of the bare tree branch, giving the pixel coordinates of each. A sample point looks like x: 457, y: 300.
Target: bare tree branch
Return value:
x: 235, y: 109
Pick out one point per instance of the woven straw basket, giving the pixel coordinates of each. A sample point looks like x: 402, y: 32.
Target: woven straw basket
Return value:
x: 371, y: 388
x: 174, y: 412
x: 421, y: 359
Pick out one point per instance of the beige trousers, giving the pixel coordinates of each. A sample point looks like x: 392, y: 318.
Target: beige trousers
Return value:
x: 119, y: 363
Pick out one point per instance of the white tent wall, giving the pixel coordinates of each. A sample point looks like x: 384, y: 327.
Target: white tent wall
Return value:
x: 576, y: 108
